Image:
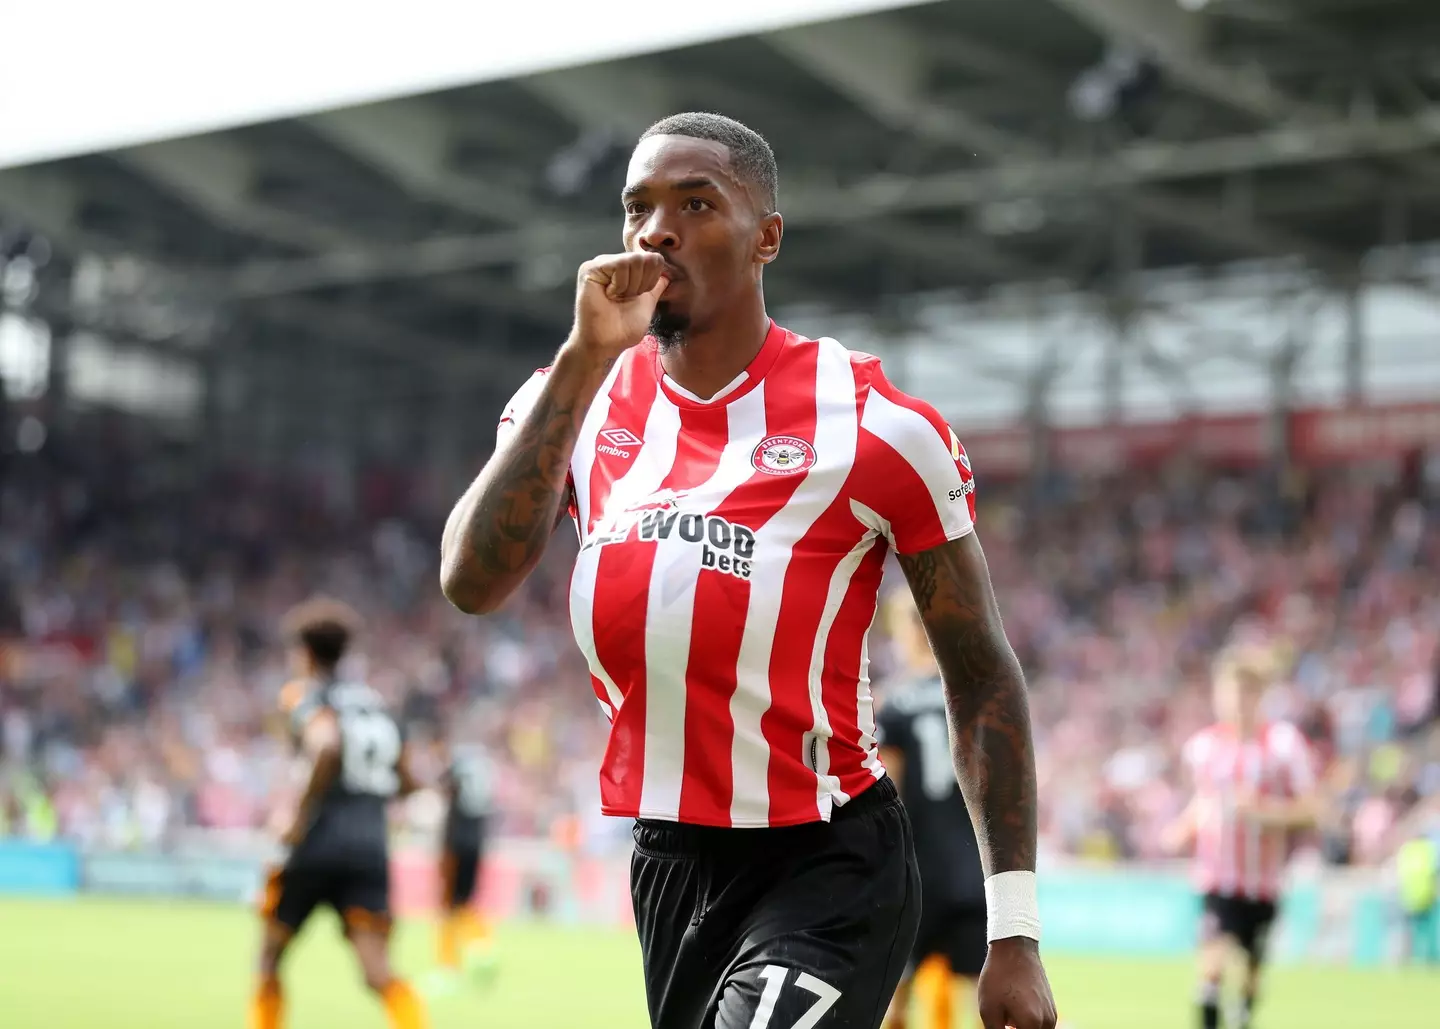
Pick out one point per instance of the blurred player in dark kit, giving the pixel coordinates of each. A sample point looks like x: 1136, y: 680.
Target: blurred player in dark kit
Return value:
x: 914, y: 740
x: 468, y: 787
x: 337, y: 845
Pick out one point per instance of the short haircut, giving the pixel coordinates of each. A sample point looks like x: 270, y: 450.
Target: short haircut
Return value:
x: 751, y: 158
x: 1248, y: 664
x: 324, y: 627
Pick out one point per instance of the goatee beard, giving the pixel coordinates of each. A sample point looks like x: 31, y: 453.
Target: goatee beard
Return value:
x: 668, y: 329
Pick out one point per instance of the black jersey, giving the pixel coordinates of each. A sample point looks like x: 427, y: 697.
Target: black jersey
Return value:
x: 471, y: 777
x: 913, y: 722
x: 350, y: 818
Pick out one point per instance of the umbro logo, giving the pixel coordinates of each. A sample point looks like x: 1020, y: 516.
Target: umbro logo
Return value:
x: 616, y: 440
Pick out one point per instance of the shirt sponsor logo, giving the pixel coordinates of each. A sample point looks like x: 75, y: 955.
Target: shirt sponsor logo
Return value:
x: 963, y: 490
x: 616, y: 440
x: 612, y: 528
x: 783, y: 455
x: 725, y: 546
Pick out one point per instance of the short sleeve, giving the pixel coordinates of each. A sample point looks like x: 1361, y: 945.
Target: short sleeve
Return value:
x: 929, y: 487
x: 302, y: 713
x: 1193, y: 754
x: 1297, y: 759
x: 520, y: 405
x: 298, y: 703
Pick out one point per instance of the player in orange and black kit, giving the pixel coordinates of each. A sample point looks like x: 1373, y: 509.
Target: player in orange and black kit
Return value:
x: 337, y: 844
x: 468, y: 786
x: 950, y: 946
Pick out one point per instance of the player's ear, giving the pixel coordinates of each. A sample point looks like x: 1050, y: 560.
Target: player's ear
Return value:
x: 767, y: 244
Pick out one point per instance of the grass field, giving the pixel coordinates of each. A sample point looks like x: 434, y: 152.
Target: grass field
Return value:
x: 87, y: 964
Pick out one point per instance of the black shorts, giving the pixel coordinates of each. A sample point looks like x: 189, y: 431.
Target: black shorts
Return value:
x: 357, y: 890
x: 808, y: 924
x: 459, y: 873
x: 957, y: 933
x: 1244, y: 920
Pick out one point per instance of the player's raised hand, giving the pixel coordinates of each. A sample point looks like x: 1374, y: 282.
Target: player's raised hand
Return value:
x: 615, y: 298
x: 1013, y: 991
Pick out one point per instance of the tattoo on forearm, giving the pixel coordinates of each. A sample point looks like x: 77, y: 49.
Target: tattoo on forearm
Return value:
x: 503, y: 523
x: 985, y: 696
x: 514, y: 516
x: 520, y: 504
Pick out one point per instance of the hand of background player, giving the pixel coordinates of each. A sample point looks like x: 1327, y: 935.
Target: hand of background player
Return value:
x: 1013, y: 990
x: 292, y: 835
x: 615, y: 298
x: 1257, y: 810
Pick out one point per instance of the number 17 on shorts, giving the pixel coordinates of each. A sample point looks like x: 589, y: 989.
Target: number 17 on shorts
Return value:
x: 787, y: 1001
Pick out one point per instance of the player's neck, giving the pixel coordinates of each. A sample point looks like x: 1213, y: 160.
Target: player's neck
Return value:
x: 710, y: 359
x: 1244, y: 730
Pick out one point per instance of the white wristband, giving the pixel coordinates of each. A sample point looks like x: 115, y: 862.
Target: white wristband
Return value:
x: 1011, y: 906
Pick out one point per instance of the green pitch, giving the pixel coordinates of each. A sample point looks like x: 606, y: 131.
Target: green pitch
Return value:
x: 86, y: 964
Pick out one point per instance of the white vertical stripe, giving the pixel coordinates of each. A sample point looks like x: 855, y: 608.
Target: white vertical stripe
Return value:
x: 864, y: 699
x: 1236, y: 850
x: 827, y: 786
x: 835, y: 438
x: 865, y: 707
x: 1252, y: 884
x: 583, y: 460
x: 646, y: 472
x: 582, y: 604
x: 1224, y: 779
x: 670, y: 615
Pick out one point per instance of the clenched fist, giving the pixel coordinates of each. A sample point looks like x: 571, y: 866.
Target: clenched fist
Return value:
x: 1013, y: 990
x: 615, y: 298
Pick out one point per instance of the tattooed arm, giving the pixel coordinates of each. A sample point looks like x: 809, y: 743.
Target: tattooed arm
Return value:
x: 499, y: 528
x: 985, y: 697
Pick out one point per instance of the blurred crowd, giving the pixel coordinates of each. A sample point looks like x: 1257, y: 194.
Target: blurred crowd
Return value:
x: 139, y: 667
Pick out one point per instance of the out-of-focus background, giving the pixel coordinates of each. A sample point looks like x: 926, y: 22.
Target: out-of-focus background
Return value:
x: 1168, y: 266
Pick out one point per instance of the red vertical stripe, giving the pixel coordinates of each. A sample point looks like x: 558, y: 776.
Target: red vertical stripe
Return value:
x: 840, y: 680
x: 807, y: 579
x: 841, y: 677
x: 723, y: 601
x: 704, y: 431
x: 622, y: 587
x: 1233, y: 856
x: 632, y: 394
x: 900, y: 489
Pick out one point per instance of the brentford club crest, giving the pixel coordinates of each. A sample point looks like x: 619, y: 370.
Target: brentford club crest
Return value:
x: 782, y: 455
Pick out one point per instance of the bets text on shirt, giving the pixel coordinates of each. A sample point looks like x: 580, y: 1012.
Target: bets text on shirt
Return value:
x: 725, y: 546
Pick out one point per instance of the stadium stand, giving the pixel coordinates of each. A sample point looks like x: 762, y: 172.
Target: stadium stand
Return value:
x: 138, y: 678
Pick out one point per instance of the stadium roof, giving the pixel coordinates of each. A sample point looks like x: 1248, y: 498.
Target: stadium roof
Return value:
x: 946, y: 146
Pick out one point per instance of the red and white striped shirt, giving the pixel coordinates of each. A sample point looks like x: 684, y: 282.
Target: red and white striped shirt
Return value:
x: 1235, y: 856
x: 731, y: 552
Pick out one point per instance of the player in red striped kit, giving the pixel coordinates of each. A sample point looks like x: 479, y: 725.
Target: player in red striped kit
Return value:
x: 1254, y: 788
x: 736, y: 489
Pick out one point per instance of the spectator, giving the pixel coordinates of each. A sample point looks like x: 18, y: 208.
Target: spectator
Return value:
x: 139, y: 672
